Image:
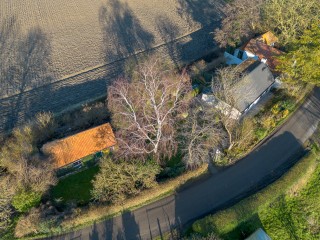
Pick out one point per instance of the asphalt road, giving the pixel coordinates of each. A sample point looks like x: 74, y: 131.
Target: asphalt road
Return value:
x: 265, y: 164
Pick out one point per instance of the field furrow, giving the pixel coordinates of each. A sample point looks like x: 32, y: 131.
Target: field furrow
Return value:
x: 57, y: 54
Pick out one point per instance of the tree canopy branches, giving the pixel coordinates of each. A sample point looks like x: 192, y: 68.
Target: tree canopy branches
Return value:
x: 145, y: 110
x: 302, y: 63
x: 245, y: 18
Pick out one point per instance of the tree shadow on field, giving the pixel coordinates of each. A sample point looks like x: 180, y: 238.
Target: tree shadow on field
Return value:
x: 25, y: 59
x: 203, y: 12
x: 169, y: 32
x: 122, y: 32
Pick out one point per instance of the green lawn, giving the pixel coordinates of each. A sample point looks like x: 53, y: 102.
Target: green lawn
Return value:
x: 75, y: 188
x: 287, y: 209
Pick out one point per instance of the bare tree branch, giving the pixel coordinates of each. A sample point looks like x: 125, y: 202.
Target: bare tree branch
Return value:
x: 144, y: 110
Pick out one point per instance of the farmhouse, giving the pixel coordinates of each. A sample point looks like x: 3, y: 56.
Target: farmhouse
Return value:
x: 70, y: 149
x: 257, y: 81
x: 260, y: 48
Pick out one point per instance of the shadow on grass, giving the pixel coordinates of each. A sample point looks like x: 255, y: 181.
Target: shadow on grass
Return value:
x: 75, y: 188
x: 244, y: 229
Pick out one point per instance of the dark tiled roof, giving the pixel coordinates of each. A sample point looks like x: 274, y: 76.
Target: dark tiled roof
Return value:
x: 257, y: 78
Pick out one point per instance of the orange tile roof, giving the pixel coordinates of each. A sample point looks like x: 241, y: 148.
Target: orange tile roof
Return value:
x: 70, y: 149
x: 262, y: 50
x: 269, y: 38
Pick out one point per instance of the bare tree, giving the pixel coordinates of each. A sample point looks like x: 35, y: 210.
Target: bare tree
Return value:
x: 242, y: 20
x: 6, y: 193
x: 18, y: 156
x: 145, y: 109
x: 224, y: 91
x: 199, y: 133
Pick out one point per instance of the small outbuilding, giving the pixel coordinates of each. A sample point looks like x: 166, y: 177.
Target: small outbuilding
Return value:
x: 262, y: 48
x: 73, y: 148
x: 259, y: 235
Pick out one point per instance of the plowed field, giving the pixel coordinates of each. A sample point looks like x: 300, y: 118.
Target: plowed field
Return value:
x: 54, y: 48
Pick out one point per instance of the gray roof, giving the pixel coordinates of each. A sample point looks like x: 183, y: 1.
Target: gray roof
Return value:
x: 257, y: 79
x: 258, y: 235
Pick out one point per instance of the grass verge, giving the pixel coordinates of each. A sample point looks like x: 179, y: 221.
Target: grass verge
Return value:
x: 284, y: 209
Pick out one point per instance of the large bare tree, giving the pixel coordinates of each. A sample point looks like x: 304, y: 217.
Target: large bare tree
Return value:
x: 145, y: 109
x: 200, y: 132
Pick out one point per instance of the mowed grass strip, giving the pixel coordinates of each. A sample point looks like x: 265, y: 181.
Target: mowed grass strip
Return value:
x: 75, y: 188
x: 287, y: 209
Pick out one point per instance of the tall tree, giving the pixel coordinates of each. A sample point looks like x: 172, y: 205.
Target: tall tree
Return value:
x: 145, y: 109
x: 290, y: 17
x: 302, y: 63
x: 242, y: 20
x: 223, y: 89
x: 200, y: 132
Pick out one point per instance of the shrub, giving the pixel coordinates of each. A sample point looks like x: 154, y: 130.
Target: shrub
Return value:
x: 285, y: 113
x: 43, y: 219
x: 44, y: 126
x: 26, y: 200
x: 269, y: 122
x: 210, y: 236
x: 27, y: 224
x: 118, y: 180
x: 275, y: 109
x: 261, y: 133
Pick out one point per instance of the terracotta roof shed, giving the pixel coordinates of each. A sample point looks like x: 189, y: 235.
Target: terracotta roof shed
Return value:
x: 70, y: 149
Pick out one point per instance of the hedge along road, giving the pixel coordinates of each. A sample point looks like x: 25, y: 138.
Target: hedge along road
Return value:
x: 255, y: 171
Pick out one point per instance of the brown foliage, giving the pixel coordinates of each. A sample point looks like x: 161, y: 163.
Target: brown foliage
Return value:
x: 145, y: 110
x: 199, y: 134
x: 118, y: 180
x: 7, y: 191
x: 242, y: 21
x: 20, y: 160
x: 38, y: 220
x: 28, y: 223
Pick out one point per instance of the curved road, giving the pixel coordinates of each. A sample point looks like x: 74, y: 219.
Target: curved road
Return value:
x: 262, y: 166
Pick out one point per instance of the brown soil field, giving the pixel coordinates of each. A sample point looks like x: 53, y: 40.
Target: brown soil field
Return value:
x: 63, y: 44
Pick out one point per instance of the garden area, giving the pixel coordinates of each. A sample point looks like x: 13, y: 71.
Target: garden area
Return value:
x: 75, y: 188
x: 253, y: 129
